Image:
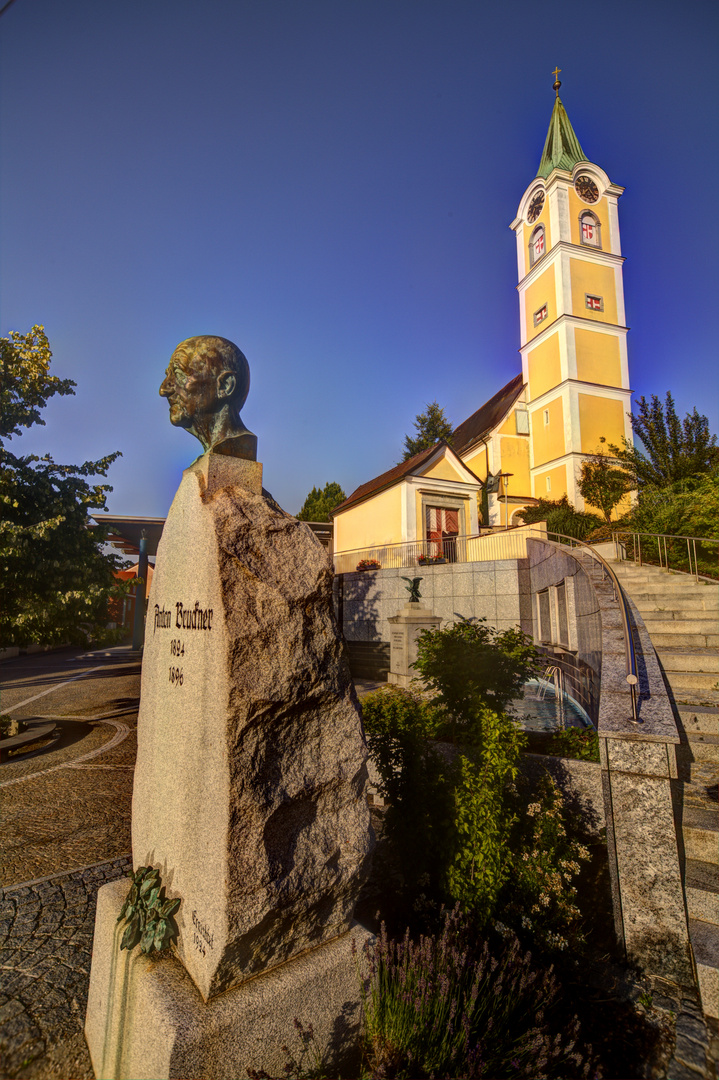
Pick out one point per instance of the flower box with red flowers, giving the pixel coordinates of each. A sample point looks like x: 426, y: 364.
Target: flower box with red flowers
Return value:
x: 368, y: 564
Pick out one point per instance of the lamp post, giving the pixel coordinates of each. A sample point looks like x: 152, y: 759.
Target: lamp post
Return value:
x: 504, y: 477
x: 138, y: 631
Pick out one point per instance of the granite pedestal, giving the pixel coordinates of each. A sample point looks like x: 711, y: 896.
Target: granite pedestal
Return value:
x: 405, y: 629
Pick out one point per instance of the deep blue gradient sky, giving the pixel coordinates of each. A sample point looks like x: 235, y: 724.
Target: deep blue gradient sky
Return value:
x: 329, y: 183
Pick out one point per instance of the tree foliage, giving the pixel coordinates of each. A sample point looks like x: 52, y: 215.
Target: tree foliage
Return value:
x: 431, y: 426
x: 561, y: 517
x: 320, y: 502
x: 26, y: 384
x: 55, y: 581
x: 685, y: 508
x: 674, y: 449
x: 602, y: 483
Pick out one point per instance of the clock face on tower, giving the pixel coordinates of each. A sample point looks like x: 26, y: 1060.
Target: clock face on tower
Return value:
x: 586, y: 188
x: 535, y: 206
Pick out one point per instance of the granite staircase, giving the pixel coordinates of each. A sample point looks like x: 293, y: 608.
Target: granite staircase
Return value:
x: 682, y: 618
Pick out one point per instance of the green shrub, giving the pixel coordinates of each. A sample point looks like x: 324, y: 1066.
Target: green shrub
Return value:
x: 561, y: 517
x: 541, y: 901
x: 400, y: 726
x: 472, y: 666
x: 480, y: 855
x: 575, y: 743
x: 457, y: 826
x: 448, y: 1005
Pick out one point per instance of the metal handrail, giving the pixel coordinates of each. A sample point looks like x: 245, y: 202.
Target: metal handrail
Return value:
x: 661, y: 539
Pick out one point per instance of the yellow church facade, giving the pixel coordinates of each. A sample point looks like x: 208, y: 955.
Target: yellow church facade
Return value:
x: 529, y: 440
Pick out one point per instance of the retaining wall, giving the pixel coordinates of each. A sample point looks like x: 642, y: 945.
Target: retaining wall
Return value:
x: 498, y: 591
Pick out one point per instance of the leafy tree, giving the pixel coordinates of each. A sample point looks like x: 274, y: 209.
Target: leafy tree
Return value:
x: 431, y: 426
x: 685, y: 508
x: 675, y: 449
x: 602, y: 484
x: 55, y: 581
x: 320, y: 502
x: 561, y: 517
x: 25, y: 382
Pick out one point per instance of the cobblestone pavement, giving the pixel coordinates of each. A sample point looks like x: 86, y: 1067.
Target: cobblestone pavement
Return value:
x: 67, y: 804
x: 45, y: 949
x: 64, y: 805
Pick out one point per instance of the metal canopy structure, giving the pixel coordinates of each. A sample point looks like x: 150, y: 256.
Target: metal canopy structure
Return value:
x: 126, y: 532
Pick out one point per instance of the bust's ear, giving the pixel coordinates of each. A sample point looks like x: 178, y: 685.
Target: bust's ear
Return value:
x: 226, y: 383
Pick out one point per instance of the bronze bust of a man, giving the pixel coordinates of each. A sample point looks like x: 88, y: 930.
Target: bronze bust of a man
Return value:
x: 206, y: 384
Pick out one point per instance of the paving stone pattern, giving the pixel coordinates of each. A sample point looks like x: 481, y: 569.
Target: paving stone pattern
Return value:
x: 45, y: 949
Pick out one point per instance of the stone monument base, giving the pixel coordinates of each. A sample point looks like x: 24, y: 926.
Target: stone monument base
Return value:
x: 147, y: 1020
x: 405, y: 628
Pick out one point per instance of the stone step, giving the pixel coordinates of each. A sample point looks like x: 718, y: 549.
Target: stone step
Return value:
x: 687, y: 590
x: 704, y: 660
x: 697, y: 622
x: 656, y: 601
x: 686, y: 698
x: 701, y: 793
x: 700, y: 719
x: 705, y: 944
x: 626, y: 572
x: 700, y: 829
x: 704, y: 748
x: 668, y: 634
x: 701, y: 886
x: 692, y: 680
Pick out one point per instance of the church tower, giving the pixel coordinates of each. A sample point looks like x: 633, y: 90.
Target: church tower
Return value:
x: 571, y: 312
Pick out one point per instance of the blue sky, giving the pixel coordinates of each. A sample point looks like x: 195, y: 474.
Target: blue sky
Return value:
x: 329, y: 183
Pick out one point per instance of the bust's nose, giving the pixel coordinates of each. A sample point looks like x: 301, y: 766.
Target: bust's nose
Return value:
x: 166, y: 386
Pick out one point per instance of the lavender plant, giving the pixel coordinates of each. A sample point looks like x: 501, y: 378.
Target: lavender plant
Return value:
x: 443, y: 1006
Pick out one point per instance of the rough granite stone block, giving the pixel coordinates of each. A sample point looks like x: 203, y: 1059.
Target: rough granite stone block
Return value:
x: 652, y: 899
x: 251, y: 761
x: 640, y: 758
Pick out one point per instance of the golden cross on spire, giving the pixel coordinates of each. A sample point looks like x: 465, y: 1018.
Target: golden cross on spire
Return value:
x: 557, y: 83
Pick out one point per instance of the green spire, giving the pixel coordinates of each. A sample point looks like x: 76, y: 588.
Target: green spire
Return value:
x: 561, y: 149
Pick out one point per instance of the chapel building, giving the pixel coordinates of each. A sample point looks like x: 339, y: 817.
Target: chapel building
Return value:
x: 530, y: 439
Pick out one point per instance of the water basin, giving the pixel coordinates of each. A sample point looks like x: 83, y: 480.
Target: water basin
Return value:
x: 541, y: 710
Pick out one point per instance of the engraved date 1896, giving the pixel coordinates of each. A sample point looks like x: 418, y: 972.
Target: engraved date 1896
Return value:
x: 176, y: 676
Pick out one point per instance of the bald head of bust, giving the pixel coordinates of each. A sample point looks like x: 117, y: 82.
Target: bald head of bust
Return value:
x: 206, y: 385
